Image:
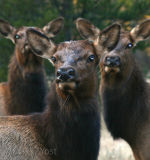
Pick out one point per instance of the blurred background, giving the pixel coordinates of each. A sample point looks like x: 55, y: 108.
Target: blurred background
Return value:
x: 102, y: 13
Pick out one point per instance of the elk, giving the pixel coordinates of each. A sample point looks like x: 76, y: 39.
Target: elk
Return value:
x: 69, y: 127
x: 124, y: 92
x: 26, y: 88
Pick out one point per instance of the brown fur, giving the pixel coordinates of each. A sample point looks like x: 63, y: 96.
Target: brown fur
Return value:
x: 126, y: 95
x: 26, y: 88
x: 68, y: 128
x: 15, y: 94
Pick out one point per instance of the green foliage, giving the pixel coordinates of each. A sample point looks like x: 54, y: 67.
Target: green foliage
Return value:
x: 40, y: 12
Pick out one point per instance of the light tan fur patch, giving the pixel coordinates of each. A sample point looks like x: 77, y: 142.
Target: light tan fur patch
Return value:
x: 70, y: 85
x: 114, y: 69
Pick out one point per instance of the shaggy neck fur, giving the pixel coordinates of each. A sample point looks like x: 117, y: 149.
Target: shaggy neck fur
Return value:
x: 71, y: 127
x: 27, y: 90
x: 126, y: 106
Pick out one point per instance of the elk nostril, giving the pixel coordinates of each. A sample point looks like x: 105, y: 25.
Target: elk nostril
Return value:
x: 71, y: 72
x: 117, y: 60
x: 59, y: 71
x: 108, y: 58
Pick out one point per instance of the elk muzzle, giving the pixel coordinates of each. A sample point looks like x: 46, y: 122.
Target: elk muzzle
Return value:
x: 112, y: 61
x: 66, y: 78
x: 112, y: 64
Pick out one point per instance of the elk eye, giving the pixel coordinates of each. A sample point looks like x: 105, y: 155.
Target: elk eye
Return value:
x: 129, y: 45
x: 91, y: 58
x: 53, y: 59
x: 17, y: 36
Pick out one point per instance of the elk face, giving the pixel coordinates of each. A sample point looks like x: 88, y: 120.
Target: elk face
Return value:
x: 20, y: 39
x: 18, y: 36
x: 120, y: 60
x: 75, y: 62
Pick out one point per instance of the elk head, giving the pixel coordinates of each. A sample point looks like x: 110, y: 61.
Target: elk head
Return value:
x: 120, y: 63
x: 26, y: 60
x: 75, y: 62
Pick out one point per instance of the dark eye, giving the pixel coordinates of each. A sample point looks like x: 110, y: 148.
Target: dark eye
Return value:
x: 17, y: 36
x: 129, y: 45
x: 91, y: 58
x: 53, y: 59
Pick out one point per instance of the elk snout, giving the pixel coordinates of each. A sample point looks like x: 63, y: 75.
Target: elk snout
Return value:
x: 26, y: 46
x: 112, y: 61
x: 65, y: 74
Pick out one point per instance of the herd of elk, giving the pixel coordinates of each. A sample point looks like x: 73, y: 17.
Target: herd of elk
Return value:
x: 26, y: 89
x: 124, y: 93
x: 69, y: 127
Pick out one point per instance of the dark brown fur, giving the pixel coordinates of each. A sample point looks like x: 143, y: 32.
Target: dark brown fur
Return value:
x: 126, y: 95
x: 69, y: 128
x: 26, y: 88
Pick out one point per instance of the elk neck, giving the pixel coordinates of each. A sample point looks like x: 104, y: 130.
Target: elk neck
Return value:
x: 27, y: 86
x: 67, y: 120
x: 126, y: 105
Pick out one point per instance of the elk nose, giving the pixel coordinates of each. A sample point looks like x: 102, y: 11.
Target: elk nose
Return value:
x: 26, y: 46
x: 65, y: 74
x: 112, y: 61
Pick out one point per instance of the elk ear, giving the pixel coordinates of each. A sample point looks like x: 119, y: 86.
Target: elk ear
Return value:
x: 141, y: 31
x: 54, y: 27
x: 109, y: 37
x: 86, y: 29
x: 7, y: 30
x: 40, y: 44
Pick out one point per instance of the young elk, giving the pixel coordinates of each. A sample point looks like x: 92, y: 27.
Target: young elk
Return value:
x: 25, y: 90
x: 125, y: 94
x: 69, y: 128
